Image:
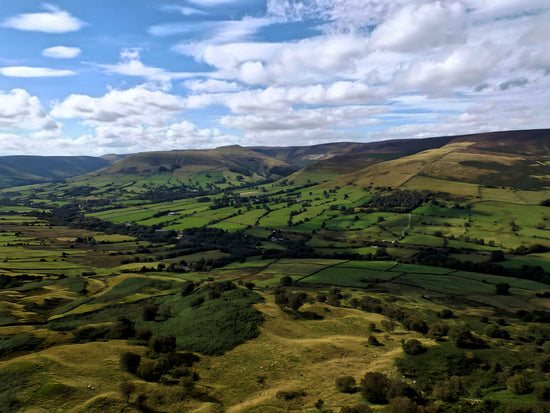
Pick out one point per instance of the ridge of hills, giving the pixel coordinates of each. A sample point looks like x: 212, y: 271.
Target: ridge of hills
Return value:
x: 512, y: 158
x: 26, y: 170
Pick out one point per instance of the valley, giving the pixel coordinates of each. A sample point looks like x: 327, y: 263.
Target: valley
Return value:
x: 407, y: 275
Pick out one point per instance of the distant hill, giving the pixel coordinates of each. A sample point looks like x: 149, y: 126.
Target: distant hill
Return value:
x: 519, y: 159
x: 27, y: 170
x: 305, y: 155
x: 342, y: 159
x: 234, y: 159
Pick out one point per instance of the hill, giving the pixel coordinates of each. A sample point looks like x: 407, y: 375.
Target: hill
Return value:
x: 26, y: 170
x: 519, y: 159
x: 390, y: 149
x: 235, y: 159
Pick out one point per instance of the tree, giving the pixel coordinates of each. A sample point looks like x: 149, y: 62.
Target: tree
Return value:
x: 149, y: 311
x: 187, y: 288
x: 502, y: 288
x: 438, y: 330
x: 497, y: 256
x: 518, y: 384
x: 413, y: 347
x: 129, y: 361
x: 345, y: 384
x: 449, y: 390
x: 162, y: 344
x: 374, y: 387
x: 402, y: 405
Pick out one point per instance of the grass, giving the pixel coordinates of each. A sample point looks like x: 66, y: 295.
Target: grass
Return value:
x: 345, y: 277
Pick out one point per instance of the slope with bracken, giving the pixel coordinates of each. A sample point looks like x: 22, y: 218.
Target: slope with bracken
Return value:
x: 519, y: 159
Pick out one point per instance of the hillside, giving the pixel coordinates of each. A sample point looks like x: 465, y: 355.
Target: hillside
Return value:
x: 234, y: 159
x: 519, y: 159
x: 343, y: 151
x: 26, y: 170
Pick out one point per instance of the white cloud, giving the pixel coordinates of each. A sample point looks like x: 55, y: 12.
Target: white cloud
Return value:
x: 186, y: 11
x: 52, y: 21
x: 25, y: 71
x: 211, y: 86
x: 19, y: 110
x: 465, y: 66
x: 213, y: 32
x: 416, y: 27
x: 121, y: 107
x: 343, y: 116
x: 61, y: 52
x: 131, y: 65
x: 281, y: 99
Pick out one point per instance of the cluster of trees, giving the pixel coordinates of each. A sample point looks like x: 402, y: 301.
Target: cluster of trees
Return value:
x: 400, y: 201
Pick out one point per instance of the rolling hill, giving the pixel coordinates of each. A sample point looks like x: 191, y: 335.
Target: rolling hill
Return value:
x: 519, y: 159
x: 26, y: 170
x: 234, y: 159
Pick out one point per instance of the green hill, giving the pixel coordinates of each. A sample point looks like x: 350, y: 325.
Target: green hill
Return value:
x: 26, y: 170
x: 182, y: 164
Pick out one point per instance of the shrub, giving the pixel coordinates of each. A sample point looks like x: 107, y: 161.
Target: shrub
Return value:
x: 288, y: 395
x: 462, y: 337
x: 415, y: 323
x: 129, y: 361
x: 502, y: 288
x: 438, y: 330
x: 373, y: 341
x: 449, y: 390
x: 286, y: 280
x: 187, y: 288
x: 162, y: 344
x: 518, y: 384
x: 401, y: 389
x: 374, y: 387
x: 143, y: 333
x: 149, y: 311
x: 345, y: 384
x: 413, y: 347
x: 495, y: 332
x: 123, y: 328
x: 401, y: 405
x: 146, y: 370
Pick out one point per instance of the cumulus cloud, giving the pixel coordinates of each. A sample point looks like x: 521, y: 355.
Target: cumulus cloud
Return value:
x: 134, y: 106
x: 19, y: 110
x: 281, y: 99
x: 416, y: 27
x: 53, y: 20
x: 61, y: 52
x: 25, y: 71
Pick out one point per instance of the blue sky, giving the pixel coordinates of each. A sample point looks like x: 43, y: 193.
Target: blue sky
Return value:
x: 94, y: 77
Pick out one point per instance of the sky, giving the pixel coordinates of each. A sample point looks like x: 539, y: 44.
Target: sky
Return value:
x: 92, y: 77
